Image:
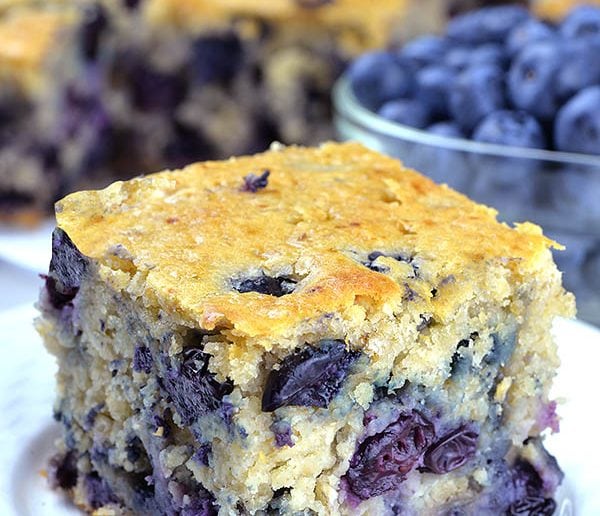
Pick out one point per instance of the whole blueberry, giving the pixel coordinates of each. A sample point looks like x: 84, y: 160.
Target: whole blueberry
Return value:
x: 446, y: 128
x: 458, y: 58
x: 487, y: 25
x: 406, y: 112
x: 377, y: 77
x: 490, y: 53
x: 581, y: 22
x: 527, y: 32
x: 433, y: 88
x: 577, y: 125
x: 580, y: 68
x: 514, y: 128
x: 476, y: 92
x: 532, y: 79
x: 425, y: 50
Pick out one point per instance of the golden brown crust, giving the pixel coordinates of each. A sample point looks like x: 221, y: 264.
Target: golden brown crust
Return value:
x: 374, y: 19
x: 188, y: 233
x: 27, y: 36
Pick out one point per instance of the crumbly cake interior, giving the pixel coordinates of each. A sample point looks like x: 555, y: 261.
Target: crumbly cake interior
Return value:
x: 305, y: 331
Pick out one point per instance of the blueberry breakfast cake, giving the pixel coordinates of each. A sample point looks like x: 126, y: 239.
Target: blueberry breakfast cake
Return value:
x: 303, y: 331
x: 97, y: 91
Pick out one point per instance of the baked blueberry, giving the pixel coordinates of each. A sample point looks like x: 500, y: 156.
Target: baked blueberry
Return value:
x: 142, y: 359
x: 269, y: 285
x: 382, y: 461
x: 310, y: 377
x: 193, y: 389
x: 93, y: 27
x: 486, y: 25
x: 67, y: 268
x: 577, y: 125
x: 532, y: 79
x: 153, y: 89
x: 452, y: 451
x: 476, y: 92
x: 216, y: 57
x: 514, y: 128
x: 406, y: 112
x: 378, y: 77
x: 581, y: 22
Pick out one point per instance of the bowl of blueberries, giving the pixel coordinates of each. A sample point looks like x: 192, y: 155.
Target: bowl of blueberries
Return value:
x: 504, y: 107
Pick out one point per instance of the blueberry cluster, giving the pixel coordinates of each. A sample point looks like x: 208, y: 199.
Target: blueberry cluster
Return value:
x: 498, y: 75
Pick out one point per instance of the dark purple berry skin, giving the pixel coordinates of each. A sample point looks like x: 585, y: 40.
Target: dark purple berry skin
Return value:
x: 382, y: 461
x: 98, y: 491
x: 62, y: 471
x: 154, y: 90
x: 451, y: 451
x: 67, y: 268
x: 532, y: 506
x: 311, y: 377
x: 282, y: 431
x: 270, y: 286
x: 95, y: 23
x: 192, y: 388
x: 202, y: 453
x: 142, y: 359
x: 216, y: 58
x: 254, y: 183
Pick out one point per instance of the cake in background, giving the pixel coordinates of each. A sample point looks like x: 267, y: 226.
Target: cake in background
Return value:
x: 97, y: 91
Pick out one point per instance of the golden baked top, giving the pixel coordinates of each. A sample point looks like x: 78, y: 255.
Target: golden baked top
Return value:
x: 186, y: 239
x: 374, y: 19
x: 27, y: 36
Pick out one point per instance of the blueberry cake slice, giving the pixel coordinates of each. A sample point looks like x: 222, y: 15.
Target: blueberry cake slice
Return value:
x: 108, y: 89
x: 303, y: 331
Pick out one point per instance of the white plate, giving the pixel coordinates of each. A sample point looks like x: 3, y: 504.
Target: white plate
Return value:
x: 27, y: 430
x: 28, y: 248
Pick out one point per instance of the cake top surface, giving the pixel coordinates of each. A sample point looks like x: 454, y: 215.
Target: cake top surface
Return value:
x: 374, y: 18
x: 27, y: 36
x: 323, y: 225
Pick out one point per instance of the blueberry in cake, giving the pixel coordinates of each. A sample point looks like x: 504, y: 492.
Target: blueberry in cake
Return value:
x: 345, y: 337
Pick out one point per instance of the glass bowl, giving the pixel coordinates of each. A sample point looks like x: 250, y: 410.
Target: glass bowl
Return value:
x: 559, y: 191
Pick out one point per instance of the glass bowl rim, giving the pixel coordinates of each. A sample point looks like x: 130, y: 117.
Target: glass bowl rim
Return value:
x: 347, y: 105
